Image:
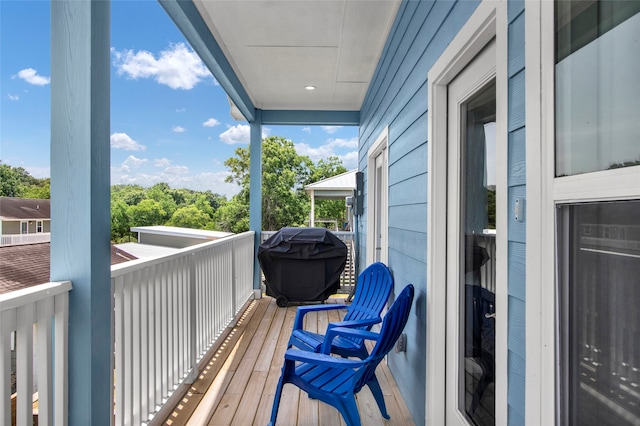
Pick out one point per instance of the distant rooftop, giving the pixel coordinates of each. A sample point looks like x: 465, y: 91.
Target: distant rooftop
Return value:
x: 175, y: 231
x: 24, y: 266
x: 335, y: 187
x: 24, y: 208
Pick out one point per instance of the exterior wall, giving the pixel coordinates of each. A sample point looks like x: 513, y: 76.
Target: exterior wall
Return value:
x: 397, y: 98
x: 10, y: 227
x: 516, y: 230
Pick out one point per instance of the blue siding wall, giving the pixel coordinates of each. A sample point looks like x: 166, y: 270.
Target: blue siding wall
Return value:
x: 517, y: 189
x: 397, y: 98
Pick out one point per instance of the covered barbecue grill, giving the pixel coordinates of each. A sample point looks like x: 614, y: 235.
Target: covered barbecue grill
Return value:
x: 302, y: 264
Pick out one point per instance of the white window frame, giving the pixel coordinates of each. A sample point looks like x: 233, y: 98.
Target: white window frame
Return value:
x: 488, y: 21
x: 22, y: 223
x: 39, y: 226
x: 544, y: 193
x: 380, y: 146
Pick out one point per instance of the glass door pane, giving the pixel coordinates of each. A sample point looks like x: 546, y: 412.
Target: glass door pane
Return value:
x: 477, y: 274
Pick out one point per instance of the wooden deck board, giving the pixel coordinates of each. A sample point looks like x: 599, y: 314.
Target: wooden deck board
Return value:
x: 236, y: 386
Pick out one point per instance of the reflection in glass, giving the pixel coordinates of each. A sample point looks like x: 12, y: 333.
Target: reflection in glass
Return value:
x: 597, y: 85
x: 477, y: 277
x: 599, y: 260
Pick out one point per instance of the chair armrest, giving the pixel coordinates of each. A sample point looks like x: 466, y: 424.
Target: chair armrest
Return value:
x: 321, y: 359
x: 303, y: 310
x: 345, y: 332
x: 355, y: 323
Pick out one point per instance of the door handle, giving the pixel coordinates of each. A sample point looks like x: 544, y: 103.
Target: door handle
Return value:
x: 493, y: 315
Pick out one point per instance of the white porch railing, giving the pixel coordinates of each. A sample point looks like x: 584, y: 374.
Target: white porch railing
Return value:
x: 42, y: 310
x: 18, y: 239
x: 167, y: 313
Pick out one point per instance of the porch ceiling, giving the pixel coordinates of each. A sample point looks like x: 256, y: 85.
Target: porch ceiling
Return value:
x: 277, y: 48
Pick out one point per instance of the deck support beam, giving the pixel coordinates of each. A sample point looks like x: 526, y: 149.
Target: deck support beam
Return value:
x: 80, y: 195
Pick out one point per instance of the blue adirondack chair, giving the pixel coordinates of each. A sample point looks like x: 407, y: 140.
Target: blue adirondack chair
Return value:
x: 336, y: 380
x: 372, y: 292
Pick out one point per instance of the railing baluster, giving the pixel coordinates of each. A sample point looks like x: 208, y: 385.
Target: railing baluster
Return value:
x: 7, y: 325
x: 24, y: 365
x: 44, y: 309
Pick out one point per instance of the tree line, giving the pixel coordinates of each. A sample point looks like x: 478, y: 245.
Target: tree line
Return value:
x: 284, y: 201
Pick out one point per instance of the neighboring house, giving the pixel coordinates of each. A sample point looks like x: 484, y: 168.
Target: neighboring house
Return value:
x: 20, y: 216
x: 531, y: 107
x: 338, y: 187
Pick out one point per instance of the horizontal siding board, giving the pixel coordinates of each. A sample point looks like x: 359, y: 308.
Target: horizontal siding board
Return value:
x: 409, y: 191
x: 517, y: 162
x: 409, y: 243
x: 415, y: 136
x: 517, y: 270
x: 411, y: 164
x: 516, y: 46
x: 516, y: 340
x: 516, y: 106
x: 517, y: 229
x: 514, y: 9
x: 411, y: 217
x: 516, y: 384
x: 407, y: 269
x: 412, y: 111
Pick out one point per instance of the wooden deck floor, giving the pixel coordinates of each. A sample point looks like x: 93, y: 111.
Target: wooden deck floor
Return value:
x: 236, y: 386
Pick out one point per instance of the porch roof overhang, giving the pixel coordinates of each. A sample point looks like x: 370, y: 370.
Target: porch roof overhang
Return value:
x: 334, y: 188
x: 264, y: 54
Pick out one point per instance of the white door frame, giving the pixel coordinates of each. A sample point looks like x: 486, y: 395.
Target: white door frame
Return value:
x: 379, y: 147
x: 488, y: 21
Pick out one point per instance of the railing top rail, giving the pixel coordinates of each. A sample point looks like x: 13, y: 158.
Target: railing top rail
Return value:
x: 36, y: 293
x: 134, y: 265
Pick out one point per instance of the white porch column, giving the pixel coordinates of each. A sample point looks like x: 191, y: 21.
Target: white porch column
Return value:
x: 312, y: 214
x: 80, y: 226
x: 255, y: 192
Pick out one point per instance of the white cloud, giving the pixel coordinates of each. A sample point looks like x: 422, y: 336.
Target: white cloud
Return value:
x: 124, y: 141
x: 331, y: 129
x: 332, y: 148
x: 177, y: 67
x: 131, y: 163
x: 161, y: 162
x: 38, y: 172
x: 178, y: 129
x: 240, y: 134
x: 13, y: 97
x: 343, y: 143
x: 211, y: 122
x: 177, y: 170
x: 181, y: 109
x: 214, y: 181
x: 306, y: 130
x: 31, y: 76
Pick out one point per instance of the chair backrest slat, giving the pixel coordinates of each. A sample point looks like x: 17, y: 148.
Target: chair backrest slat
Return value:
x: 372, y: 292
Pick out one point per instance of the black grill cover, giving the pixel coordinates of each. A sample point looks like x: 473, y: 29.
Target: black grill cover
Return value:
x: 302, y: 264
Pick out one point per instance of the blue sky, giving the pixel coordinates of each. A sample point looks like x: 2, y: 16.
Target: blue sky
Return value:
x: 170, y: 120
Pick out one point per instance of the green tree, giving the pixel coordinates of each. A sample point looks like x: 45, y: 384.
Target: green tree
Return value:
x: 161, y: 193
x: 233, y: 216
x: 328, y: 209
x: 284, y: 173
x: 41, y: 190
x: 10, y: 181
x: 120, y: 221
x: 189, y: 217
x: 146, y: 213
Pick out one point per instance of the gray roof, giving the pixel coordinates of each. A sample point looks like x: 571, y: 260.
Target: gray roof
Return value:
x: 334, y: 188
x: 12, y: 208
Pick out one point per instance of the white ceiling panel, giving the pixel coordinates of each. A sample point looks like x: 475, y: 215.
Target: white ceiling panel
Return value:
x: 278, y: 47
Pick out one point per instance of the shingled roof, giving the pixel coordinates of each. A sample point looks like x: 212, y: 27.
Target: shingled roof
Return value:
x: 27, y: 265
x: 24, y: 208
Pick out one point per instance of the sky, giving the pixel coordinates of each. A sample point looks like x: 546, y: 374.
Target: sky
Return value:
x: 170, y: 120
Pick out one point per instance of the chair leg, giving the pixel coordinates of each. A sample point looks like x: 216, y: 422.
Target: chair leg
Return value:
x: 377, y: 394
x: 276, y: 398
x: 349, y: 410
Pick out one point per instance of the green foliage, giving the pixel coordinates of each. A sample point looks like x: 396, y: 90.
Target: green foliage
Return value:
x: 189, y: 217
x: 147, y: 213
x: 17, y: 182
x: 120, y: 221
x: 233, y: 216
x: 491, y: 208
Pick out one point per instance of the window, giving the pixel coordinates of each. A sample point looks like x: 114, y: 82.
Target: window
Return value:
x: 24, y: 227
x: 38, y: 226
x: 597, y: 105
x: 597, y: 85
x: 600, y: 320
